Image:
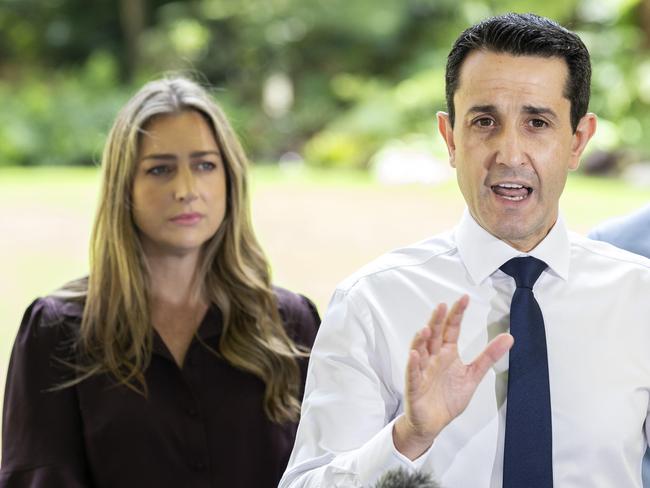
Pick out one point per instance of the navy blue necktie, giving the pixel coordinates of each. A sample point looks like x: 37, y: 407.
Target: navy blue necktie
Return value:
x: 528, y: 452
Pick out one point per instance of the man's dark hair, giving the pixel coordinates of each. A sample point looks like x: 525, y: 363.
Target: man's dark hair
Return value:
x: 525, y: 35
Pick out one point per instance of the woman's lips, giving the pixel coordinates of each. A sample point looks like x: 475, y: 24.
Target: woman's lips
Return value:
x: 187, y: 218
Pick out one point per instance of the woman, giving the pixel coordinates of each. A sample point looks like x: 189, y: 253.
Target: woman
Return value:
x: 175, y: 363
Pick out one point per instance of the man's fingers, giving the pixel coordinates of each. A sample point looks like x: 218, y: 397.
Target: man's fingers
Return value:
x: 419, y: 344
x: 413, y: 372
x: 417, y: 340
x: 436, y: 324
x: 422, y: 347
x: 490, y: 355
x: 454, y: 318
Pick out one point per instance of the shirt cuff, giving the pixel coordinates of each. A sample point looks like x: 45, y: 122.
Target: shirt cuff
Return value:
x: 379, y: 455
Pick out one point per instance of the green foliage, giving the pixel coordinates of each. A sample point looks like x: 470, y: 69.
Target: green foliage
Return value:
x: 335, y: 149
x: 358, y: 73
x: 56, y: 119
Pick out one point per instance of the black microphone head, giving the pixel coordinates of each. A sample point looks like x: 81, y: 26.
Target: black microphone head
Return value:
x: 400, y: 478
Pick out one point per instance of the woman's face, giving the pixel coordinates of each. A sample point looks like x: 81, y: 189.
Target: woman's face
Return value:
x: 179, y: 189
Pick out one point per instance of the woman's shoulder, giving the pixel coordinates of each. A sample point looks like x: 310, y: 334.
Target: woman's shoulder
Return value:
x: 50, y: 319
x: 299, y: 314
x: 63, y: 306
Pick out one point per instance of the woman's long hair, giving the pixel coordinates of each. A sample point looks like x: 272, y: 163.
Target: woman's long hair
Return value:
x: 116, y: 334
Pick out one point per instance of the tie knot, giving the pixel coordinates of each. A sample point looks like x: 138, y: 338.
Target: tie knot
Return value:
x: 525, y: 270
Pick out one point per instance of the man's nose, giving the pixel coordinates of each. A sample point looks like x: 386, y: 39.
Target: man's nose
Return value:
x: 185, y: 185
x: 510, y: 146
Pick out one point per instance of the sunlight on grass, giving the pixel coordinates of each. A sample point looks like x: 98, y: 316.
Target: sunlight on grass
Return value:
x: 587, y: 200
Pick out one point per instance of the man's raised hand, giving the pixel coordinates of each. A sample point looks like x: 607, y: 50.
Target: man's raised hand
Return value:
x: 438, y: 385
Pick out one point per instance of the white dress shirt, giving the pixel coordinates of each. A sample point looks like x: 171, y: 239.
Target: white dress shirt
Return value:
x: 596, y: 305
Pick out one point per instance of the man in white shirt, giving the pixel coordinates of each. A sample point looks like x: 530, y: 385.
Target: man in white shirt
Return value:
x: 382, y: 392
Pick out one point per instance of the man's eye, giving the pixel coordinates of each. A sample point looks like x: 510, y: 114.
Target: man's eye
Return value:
x: 206, y: 166
x: 159, y: 170
x: 538, y: 123
x: 484, y: 122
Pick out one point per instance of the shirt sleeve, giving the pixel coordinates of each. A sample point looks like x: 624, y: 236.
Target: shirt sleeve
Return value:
x: 41, y: 429
x: 345, y: 433
x: 595, y: 234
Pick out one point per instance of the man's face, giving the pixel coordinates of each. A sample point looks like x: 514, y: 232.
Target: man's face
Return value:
x: 512, y: 144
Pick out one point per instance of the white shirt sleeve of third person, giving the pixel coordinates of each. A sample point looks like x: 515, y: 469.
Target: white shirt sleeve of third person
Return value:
x: 345, y: 434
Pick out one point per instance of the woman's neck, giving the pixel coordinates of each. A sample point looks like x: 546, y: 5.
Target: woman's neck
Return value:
x: 177, y: 302
x: 174, y: 280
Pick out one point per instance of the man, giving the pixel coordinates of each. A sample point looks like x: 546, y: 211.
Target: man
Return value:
x: 568, y: 403
x: 631, y: 233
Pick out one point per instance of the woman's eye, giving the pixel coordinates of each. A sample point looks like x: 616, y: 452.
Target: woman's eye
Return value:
x: 206, y: 166
x: 159, y: 170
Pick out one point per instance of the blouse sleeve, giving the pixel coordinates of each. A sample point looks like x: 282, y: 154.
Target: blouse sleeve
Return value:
x: 42, y: 436
x: 300, y: 316
x: 308, y: 322
x: 301, y: 321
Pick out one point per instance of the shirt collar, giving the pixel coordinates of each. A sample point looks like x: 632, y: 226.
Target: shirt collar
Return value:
x: 210, y: 328
x: 482, y: 253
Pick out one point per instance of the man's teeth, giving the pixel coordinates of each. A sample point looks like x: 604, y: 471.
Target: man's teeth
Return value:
x: 512, y: 191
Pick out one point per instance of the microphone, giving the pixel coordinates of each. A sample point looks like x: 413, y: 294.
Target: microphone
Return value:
x: 400, y: 478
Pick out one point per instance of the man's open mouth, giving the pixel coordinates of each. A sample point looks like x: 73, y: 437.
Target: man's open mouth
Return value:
x: 512, y: 191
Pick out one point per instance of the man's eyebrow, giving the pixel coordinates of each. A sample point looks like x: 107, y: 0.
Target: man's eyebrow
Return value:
x: 482, y: 109
x: 530, y: 109
x: 173, y: 157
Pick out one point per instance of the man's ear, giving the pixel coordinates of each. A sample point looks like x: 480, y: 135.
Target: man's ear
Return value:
x: 447, y: 132
x: 584, y: 132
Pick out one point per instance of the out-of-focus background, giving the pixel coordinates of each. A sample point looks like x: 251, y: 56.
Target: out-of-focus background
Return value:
x: 334, y: 101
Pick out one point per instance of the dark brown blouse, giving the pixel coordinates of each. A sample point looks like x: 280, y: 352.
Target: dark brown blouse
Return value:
x: 201, y: 426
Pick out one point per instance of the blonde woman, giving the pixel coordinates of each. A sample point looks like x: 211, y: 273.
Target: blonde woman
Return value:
x: 175, y: 363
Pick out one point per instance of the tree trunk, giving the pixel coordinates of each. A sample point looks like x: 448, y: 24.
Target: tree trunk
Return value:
x: 132, y: 15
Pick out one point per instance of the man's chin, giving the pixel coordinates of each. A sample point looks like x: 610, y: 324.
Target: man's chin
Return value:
x: 521, y: 238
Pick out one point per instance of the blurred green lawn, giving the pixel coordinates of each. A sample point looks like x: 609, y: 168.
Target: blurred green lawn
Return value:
x: 316, y: 226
